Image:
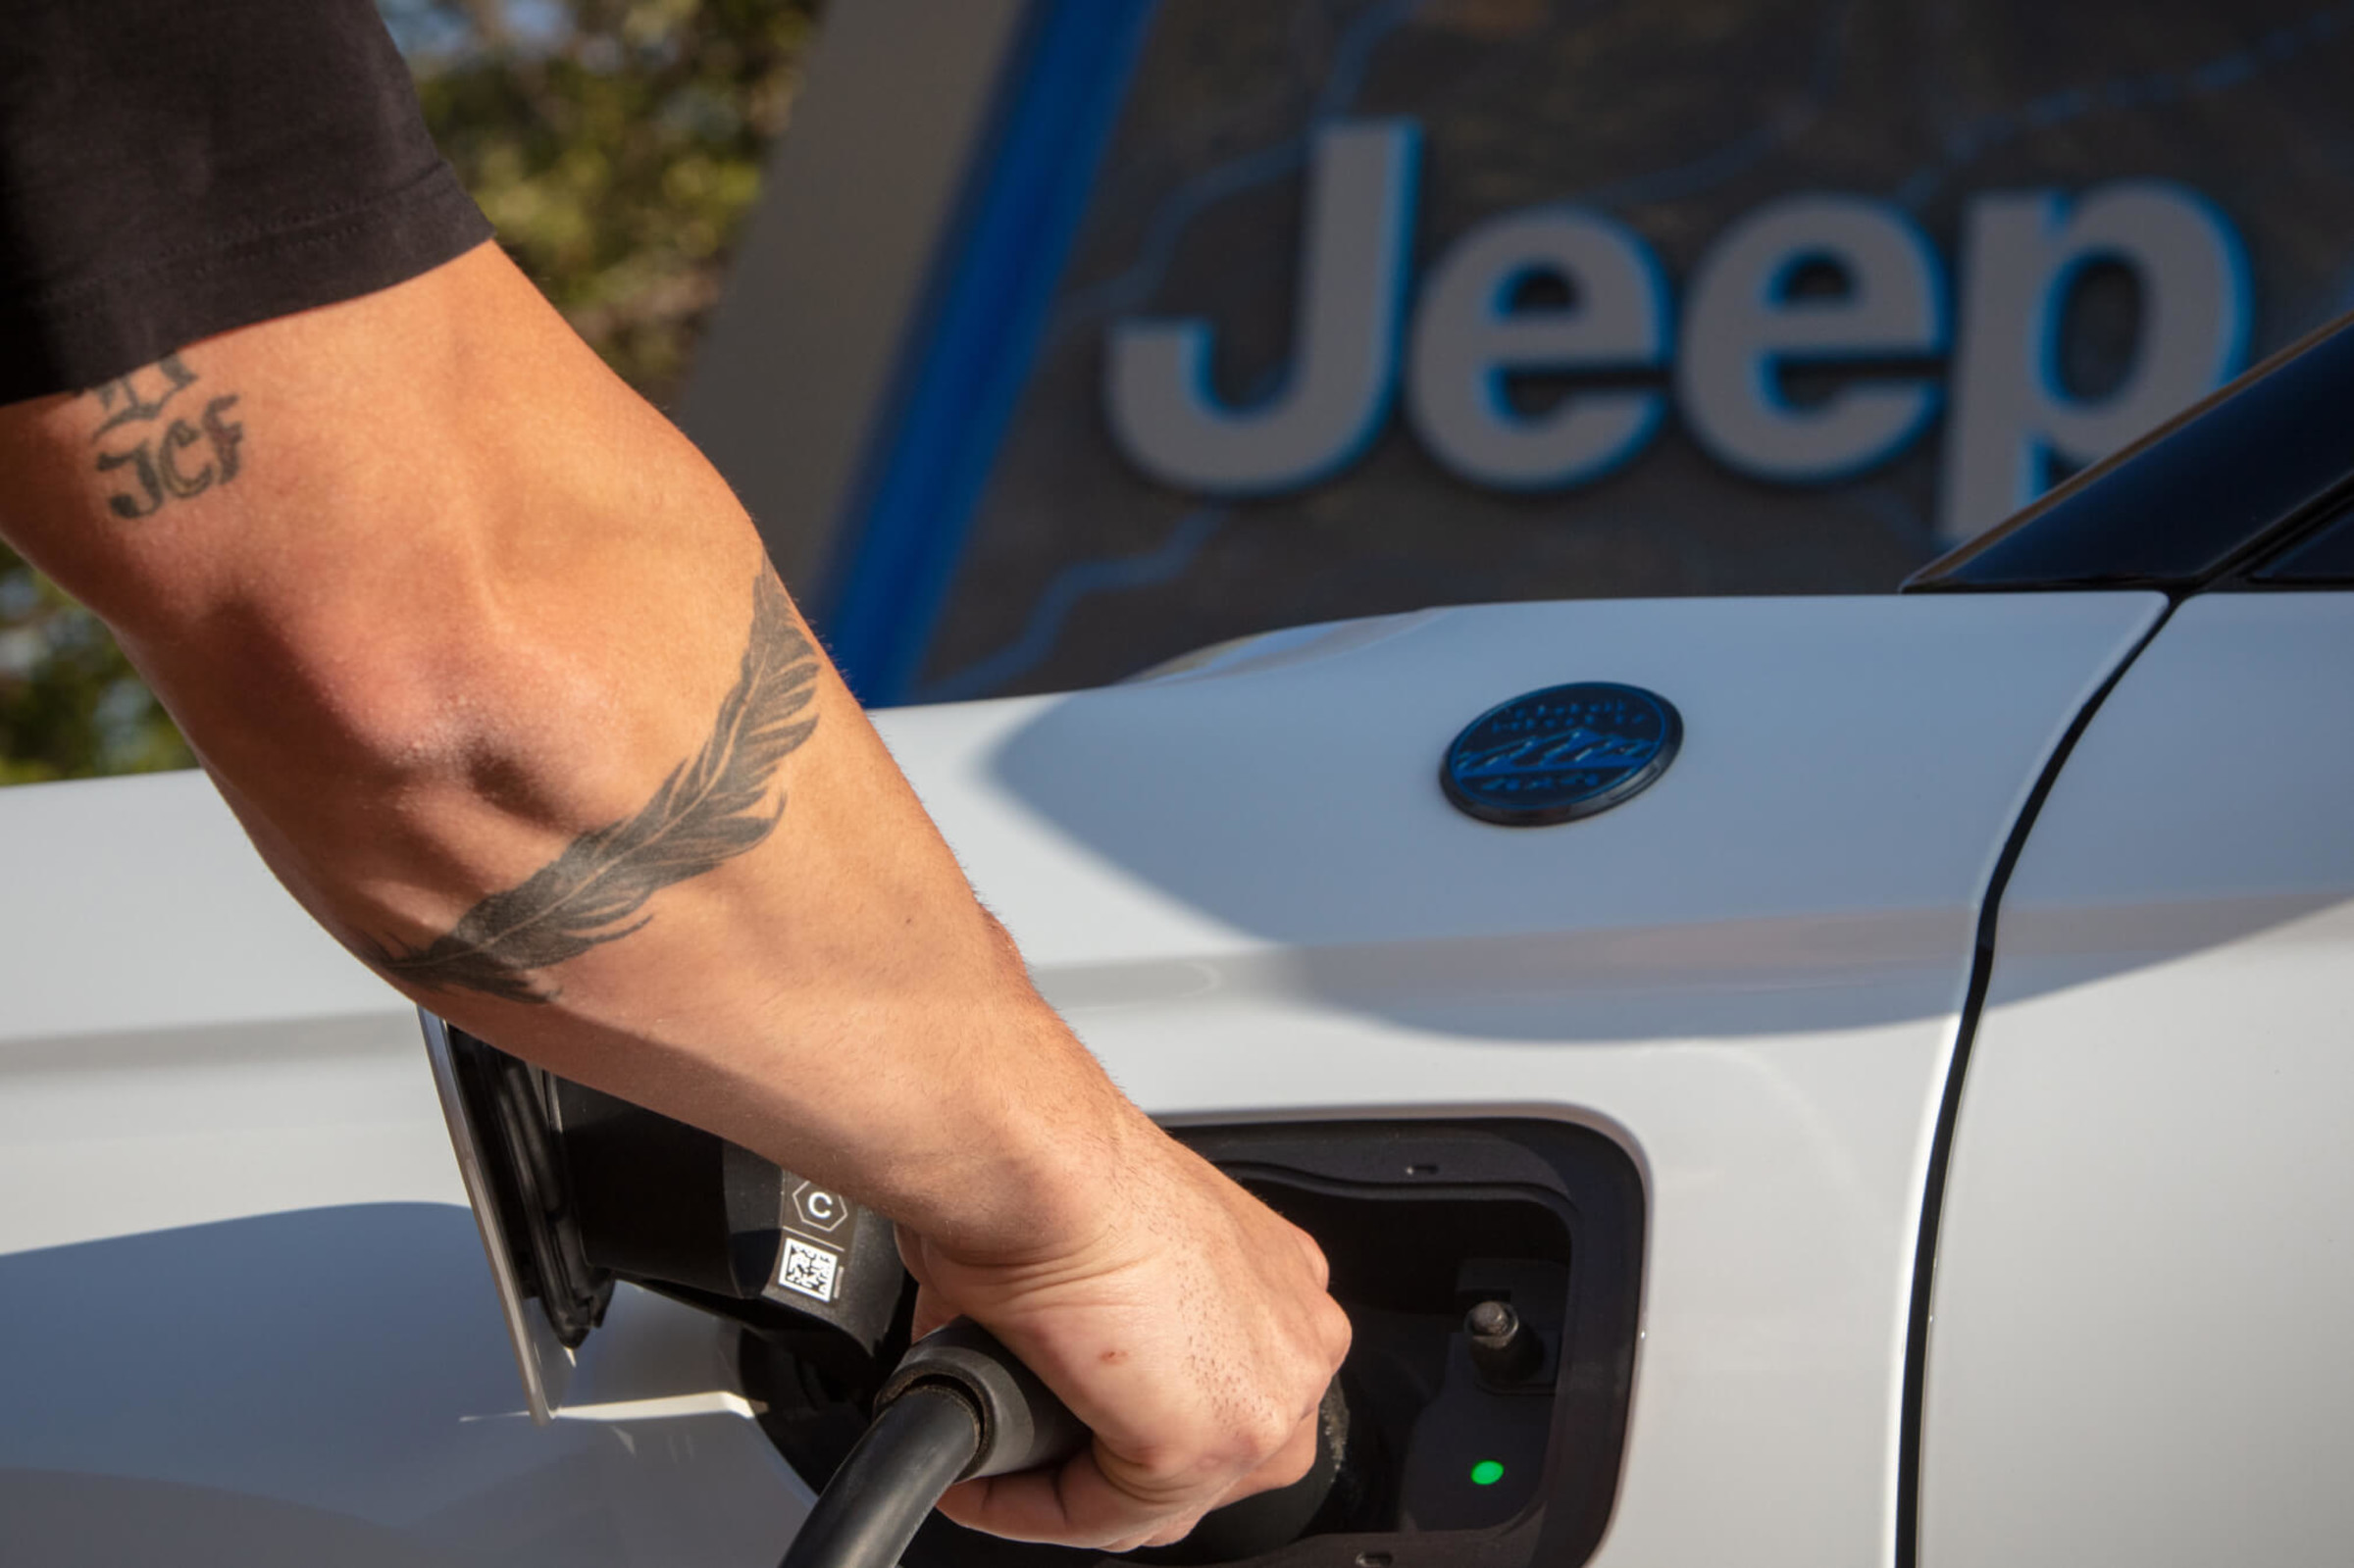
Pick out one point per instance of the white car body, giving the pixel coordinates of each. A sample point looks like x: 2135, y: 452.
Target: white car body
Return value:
x: 244, y: 1314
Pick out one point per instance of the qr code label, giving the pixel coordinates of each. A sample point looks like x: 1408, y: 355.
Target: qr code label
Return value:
x: 810, y: 1270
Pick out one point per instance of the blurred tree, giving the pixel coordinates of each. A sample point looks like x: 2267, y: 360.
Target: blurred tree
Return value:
x: 69, y: 703
x: 616, y: 145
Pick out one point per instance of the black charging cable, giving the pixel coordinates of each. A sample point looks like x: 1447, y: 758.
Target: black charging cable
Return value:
x: 958, y: 1406
x: 879, y: 1498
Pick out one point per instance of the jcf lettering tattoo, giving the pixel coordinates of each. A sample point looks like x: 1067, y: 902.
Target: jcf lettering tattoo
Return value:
x: 188, y: 454
x: 713, y: 807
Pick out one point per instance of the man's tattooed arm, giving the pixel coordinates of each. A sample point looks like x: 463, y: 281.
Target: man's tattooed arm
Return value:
x: 711, y: 808
x: 136, y: 436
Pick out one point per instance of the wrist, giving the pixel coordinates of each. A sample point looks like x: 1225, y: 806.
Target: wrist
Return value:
x: 1042, y: 1177
x: 1061, y: 1146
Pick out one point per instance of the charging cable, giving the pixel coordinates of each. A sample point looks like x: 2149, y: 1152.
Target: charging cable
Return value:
x: 958, y: 1406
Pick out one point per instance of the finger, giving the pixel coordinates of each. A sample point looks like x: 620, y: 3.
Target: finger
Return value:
x: 1319, y: 1267
x: 931, y: 1311
x: 1073, y: 1505
x: 1287, y: 1465
x: 1337, y: 1333
x: 911, y: 1252
x: 1172, y: 1534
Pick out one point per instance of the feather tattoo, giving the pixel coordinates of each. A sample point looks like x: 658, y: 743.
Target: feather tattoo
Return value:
x: 711, y: 808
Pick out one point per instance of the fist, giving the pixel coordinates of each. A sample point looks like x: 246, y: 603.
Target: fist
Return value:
x: 1189, y: 1328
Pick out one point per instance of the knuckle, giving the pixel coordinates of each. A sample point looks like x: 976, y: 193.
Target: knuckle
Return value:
x: 1164, y: 1478
x: 1337, y: 1332
x: 1146, y: 1471
x: 1270, y: 1426
x: 1319, y: 1267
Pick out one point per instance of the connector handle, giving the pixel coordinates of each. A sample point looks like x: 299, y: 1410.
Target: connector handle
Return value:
x: 1023, y: 1423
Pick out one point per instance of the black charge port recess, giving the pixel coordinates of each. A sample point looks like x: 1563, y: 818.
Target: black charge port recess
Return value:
x: 1458, y: 1455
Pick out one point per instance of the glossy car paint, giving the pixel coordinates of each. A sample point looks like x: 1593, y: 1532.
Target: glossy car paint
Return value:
x: 244, y: 1315
x: 239, y: 1292
x: 1248, y: 894
x: 2146, y: 1273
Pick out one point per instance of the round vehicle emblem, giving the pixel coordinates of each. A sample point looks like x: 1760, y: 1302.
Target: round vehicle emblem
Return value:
x: 1562, y: 753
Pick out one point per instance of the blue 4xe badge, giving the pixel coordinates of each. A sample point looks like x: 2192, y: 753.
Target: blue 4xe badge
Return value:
x: 1562, y: 753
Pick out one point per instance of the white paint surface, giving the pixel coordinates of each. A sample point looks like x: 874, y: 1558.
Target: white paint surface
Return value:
x: 236, y: 1290
x: 1250, y: 898
x: 2140, y: 1352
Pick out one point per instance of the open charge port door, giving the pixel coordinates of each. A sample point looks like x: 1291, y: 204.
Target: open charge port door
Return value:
x: 1481, y: 1451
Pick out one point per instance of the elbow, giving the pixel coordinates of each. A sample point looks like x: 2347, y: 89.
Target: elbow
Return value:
x: 354, y: 723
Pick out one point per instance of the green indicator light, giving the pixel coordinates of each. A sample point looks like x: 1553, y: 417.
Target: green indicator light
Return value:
x: 1486, y: 1473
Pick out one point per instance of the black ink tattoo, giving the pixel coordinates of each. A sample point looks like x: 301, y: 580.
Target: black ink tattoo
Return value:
x: 139, y: 399
x: 710, y: 809
x: 124, y: 390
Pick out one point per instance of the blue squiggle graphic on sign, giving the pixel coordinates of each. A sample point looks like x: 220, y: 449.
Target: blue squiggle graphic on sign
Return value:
x: 1351, y: 58
x: 2219, y: 75
x: 1131, y: 288
x: 1745, y: 151
x: 1062, y: 594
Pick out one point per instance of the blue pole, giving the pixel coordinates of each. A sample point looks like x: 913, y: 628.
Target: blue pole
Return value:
x: 966, y: 371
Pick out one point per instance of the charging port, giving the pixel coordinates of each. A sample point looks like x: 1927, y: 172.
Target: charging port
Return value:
x: 1490, y: 1271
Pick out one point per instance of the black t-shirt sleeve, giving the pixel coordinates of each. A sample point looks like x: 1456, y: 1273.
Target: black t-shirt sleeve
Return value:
x: 172, y: 169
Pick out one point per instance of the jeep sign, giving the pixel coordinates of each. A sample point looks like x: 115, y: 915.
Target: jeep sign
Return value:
x: 1739, y: 324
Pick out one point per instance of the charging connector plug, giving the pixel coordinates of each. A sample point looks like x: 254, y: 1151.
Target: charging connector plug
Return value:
x: 959, y: 1405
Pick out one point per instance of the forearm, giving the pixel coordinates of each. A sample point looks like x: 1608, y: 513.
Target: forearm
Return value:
x: 490, y: 665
